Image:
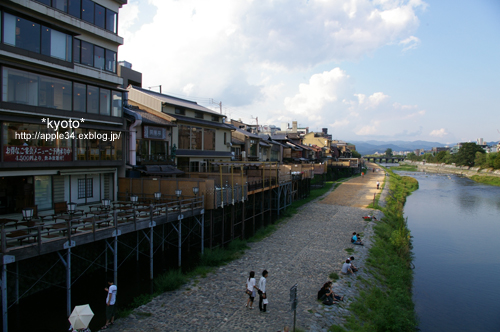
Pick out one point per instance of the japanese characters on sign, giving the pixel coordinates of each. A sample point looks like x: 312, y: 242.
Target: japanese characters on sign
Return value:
x: 37, y: 153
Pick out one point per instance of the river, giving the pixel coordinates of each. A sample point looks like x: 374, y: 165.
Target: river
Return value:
x: 455, y: 223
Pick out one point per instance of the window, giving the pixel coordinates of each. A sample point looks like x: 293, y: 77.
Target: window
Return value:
x: 180, y: 111
x: 98, y: 57
x: 99, y: 16
x: 85, y: 188
x: 209, y: 139
x: 60, y: 4
x: 225, y: 138
x: 20, y: 87
x: 92, y: 99
x: 105, y: 102
x: 111, y: 18
x: 198, y: 115
x: 88, y: 11
x: 79, y: 97
x: 184, y: 137
x: 74, y: 8
x: 196, y: 138
x: 21, y: 33
x: 76, y: 50
x: 87, y: 56
x: 46, y: 2
x: 111, y: 61
x: 54, y: 93
x: 215, y: 118
x: 116, y: 108
x: 56, y: 44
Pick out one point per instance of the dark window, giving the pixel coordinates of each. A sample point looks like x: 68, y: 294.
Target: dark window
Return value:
x: 111, y: 61
x: 105, y: 102
x: 87, y: 57
x: 21, y: 33
x: 88, y: 11
x: 45, y: 2
x: 99, y: 57
x: 56, y: 44
x: 60, y: 4
x: 99, y: 16
x: 111, y: 20
x: 92, y: 99
x: 180, y: 111
x: 215, y: 118
x: 54, y: 93
x: 85, y: 188
x: 225, y: 138
x: 198, y: 115
x: 46, y: 40
x: 74, y: 8
x: 76, y: 50
x: 79, y: 97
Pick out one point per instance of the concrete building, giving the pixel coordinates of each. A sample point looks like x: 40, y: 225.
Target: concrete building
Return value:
x: 61, y: 105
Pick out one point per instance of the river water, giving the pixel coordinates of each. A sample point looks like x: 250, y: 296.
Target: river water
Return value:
x: 456, y: 227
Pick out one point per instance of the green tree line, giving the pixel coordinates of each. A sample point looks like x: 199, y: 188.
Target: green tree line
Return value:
x: 469, y: 154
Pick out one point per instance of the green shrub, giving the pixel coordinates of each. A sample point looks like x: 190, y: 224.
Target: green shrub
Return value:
x: 169, y: 281
x: 334, y: 276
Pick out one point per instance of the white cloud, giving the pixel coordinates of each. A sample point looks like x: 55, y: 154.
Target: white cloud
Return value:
x: 410, y: 43
x: 438, y: 133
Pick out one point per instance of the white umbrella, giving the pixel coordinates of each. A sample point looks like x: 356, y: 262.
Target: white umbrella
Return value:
x: 81, y: 316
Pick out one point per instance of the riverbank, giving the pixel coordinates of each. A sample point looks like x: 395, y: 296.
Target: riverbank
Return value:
x: 305, y: 249
x: 385, y: 300
x: 452, y: 169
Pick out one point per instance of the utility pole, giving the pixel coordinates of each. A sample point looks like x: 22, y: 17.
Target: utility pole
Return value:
x: 156, y: 86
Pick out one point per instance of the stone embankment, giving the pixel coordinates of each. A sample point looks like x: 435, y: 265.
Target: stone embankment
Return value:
x: 304, y: 250
x: 452, y: 169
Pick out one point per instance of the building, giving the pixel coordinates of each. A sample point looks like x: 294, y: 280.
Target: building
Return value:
x: 199, y: 136
x: 61, y: 105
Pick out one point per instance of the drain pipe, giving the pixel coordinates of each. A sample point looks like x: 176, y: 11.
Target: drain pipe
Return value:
x: 133, y: 132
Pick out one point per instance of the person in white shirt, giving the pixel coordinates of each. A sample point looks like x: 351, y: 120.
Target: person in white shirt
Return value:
x: 346, y: 267
x: 262, y: 292
x: 110, y: 304
x: 251, y: 290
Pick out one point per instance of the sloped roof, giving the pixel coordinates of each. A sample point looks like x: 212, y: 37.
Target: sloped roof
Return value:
x: 149, y: 118
x: 279, y: 137
x: 247, y: 133
x: 161, y: 170
x: 202, y: 122
x: 176, y: 101
x: 236, y: 141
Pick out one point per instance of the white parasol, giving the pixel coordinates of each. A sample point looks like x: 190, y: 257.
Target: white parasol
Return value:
x: 81, y: 316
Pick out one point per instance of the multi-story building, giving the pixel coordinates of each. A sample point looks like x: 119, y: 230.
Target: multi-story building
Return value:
x: 61, y: 105
x: 199, y: 135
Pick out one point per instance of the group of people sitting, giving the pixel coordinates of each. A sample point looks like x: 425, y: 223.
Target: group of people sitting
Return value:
x: 355, y: 239
x: 348, y: 266
x: 327, y: 295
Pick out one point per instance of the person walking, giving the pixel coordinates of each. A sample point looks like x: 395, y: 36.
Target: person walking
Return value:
x: 262, y: 292
x: 251, y: 290
x: 378, y: 184
x: 110, y: 304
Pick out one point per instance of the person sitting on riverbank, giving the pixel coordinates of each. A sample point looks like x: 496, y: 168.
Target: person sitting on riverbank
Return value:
x: 346, y: 268
x: 353, y: 268
x: 327, y: 295
x: 356, y: 240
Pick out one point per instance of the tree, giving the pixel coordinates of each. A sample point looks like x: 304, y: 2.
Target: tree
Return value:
x: 480, y: 160
x: 441, y: 156
x: 356, y: 154
x: 467, y: 153
x: 388, y: 152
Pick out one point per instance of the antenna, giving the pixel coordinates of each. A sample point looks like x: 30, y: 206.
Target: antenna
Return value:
x: 155, y: 87
x: 219, y: 103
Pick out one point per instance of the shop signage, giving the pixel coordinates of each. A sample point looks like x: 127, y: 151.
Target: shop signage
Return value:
x: 155, y: 132
x: 36, y: 153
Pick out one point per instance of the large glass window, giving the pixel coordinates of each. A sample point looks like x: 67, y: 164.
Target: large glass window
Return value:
x: 209, y: 139
x: 19, y: 87
x: 105, y: 102
x: 56, y: 44
x: 87, y: 56
x: 111, y: 61
x: 111, y: 17
x: 100, y: 16
x: 54, y: 93
x: 92, y: 99
x: 196, y: 138
x: 116, y: 109
x: 79, y: 97
x: 43, y: 192
x: 60, y: 4
x: 98, y: 57
x: 88, y: 11
x: 77, y: 50
x: 21, y: 33
x: 74, y: 8
x: 184, y: 137
x: 47, y: 2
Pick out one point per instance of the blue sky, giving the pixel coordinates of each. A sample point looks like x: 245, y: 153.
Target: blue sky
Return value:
x: 383, y: 69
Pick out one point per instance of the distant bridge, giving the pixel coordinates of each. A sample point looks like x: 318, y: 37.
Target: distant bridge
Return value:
x: 384, y: 159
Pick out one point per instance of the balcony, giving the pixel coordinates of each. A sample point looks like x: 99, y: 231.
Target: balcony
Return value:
x: 157, y: 159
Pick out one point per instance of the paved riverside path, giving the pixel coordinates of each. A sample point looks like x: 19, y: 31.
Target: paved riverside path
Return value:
x: 305, y: 249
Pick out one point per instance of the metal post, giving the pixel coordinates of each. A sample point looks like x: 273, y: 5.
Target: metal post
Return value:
x: 4, y: 297
x: 115, y: 251
x: 106, y: 256
x: 151, y: 253
x: 17, y: 284
x: 137, y: 248
x: 68, y: 283
x: 202, y: 230
x: 180, y: 240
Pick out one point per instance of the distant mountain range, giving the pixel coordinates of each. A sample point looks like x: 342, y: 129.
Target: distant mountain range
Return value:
x: 370, y: 147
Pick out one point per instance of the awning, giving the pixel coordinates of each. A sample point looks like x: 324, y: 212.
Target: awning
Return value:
x: 87, y: 171
x: 161, y: 170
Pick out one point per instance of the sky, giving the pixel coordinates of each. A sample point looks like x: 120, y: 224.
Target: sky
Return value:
x: 367, y: 70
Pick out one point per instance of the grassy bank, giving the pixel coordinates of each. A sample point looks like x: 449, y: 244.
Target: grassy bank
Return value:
x: 487, y: 179
x: 385, y: 302
x: 408, y: 168
x: 219, y: 256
